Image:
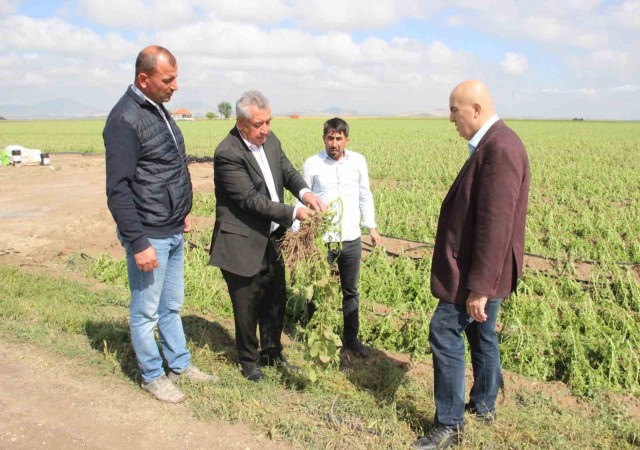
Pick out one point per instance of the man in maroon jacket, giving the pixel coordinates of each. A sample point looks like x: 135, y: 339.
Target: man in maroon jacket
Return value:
x: 477, y: 261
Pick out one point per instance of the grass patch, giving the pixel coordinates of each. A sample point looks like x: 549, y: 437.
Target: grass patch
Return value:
x: 374, y: 403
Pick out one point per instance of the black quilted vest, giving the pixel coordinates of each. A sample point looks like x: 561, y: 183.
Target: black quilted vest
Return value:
x: 162, y: 185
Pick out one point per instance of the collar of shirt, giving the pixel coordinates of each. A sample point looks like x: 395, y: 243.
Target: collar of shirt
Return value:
x: 140, y: 94
x: 324, y: 155
x: 252, y: 147
x: 475, y: 140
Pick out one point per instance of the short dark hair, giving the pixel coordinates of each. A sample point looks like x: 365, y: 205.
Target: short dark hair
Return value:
x: 336, y: 124
x: 148, y: 59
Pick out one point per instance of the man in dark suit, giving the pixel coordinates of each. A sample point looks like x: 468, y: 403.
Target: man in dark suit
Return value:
x: 251, y: 172
x: 477, y: 261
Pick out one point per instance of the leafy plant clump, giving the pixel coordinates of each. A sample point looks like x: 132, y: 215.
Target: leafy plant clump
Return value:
x: 305, y: 255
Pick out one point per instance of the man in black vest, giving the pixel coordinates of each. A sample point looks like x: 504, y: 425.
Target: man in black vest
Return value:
x: 149, y: 195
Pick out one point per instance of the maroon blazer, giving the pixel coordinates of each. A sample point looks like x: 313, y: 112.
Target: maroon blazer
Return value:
x: 480, y: 238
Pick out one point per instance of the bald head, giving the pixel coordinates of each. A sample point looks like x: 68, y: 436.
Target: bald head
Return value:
x: 470, y: 106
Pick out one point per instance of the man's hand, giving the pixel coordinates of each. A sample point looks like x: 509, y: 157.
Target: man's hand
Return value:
x: 313, y: 202
x: 187, y: 224
x: 376, y: 239
x: 302, y: 213
x: 146, y: 260
x: 475, y: 306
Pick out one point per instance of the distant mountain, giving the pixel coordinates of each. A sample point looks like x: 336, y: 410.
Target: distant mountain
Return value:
x: 438, y: 112
x: 65, y: 108
x: 62, y: 108
x: 329, y: 112
x: 337, y: 111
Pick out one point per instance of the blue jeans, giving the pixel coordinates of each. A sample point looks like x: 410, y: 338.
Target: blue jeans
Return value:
x: 448, y: 323
x: 156, y: 299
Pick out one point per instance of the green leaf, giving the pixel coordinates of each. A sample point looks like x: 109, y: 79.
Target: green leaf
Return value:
x: 308, y: 292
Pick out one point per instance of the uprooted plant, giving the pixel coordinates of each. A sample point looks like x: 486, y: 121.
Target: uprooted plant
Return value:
x: 305, y: 255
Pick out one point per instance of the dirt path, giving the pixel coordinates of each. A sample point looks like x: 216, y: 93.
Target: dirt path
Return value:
x: 51, y: 402
x: 47, y: 213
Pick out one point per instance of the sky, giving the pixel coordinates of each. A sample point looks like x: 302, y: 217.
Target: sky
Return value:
x: 544, y: 59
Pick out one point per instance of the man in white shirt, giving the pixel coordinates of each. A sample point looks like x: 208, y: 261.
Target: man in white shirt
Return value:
x: 336, y: 173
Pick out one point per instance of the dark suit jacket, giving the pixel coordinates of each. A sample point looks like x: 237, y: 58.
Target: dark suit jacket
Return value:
x: 480, y: 238
x: 244, y: 210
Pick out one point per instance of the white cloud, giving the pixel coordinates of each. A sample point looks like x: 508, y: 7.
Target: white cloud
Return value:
x: 514, y: 64
x: 9, y: 6
x: 144, y: 14
x: 254, y: 12
x: 627, y: 88
x: 575, y: 23
x: 626, y: 15
x: 588, y: 92
x: 25, y: 80
x: 304, y: 54
x: 606, y: 65
x: 59, y: 37
x: 359, y: 14
x: 214, y: 54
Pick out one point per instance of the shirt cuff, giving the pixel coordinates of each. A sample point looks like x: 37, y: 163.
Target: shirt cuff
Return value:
x: 295, y: 210
x: 302, y: 192
x: 369, y: 225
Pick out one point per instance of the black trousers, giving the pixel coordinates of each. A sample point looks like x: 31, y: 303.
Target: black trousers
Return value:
x: 348, y: 260
x: 259, y: 301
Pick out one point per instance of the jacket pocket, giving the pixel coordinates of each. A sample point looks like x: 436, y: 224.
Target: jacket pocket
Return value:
x: 234, y: 229
x: 169, y: 199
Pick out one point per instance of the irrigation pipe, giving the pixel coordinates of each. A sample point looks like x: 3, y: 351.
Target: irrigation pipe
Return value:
x: 531, y: 255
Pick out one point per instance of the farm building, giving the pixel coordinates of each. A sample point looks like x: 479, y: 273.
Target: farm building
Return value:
x: 182, y: 114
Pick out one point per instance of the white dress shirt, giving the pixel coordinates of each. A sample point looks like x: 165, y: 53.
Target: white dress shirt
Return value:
x: 261, y: 159
x: 475, y: 140
x: 347, y: 179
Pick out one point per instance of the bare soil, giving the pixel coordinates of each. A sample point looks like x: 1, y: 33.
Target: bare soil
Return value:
x: 48, y: 402
x: 48, y: 213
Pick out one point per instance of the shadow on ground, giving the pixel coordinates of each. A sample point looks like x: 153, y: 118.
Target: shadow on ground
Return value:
x: 113, y: 341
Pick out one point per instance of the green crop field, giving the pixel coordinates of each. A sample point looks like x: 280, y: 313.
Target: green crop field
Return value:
x: 585, y: 193
x: 562, y: 326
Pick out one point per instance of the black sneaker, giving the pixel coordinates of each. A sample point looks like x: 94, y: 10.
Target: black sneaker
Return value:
x: 487, y: 417
x: 251, y: 371
x: 358, y: 348
x: 279, y: 362
x: 439, y: 437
